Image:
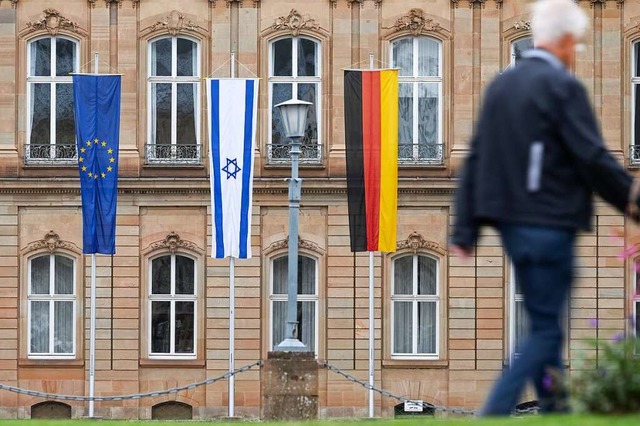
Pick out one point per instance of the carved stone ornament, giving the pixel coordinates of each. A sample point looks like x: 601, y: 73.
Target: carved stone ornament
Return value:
x: 603, y: 3
x: 240, y: 2
x: 415, y: 22
x: 416, y: 242
x: 51, y: 242
x: 522, y: 25
x: 53, y: 22
x: 334, y: 3
x: 479, y: 3
x: 304, y: 244
x: 175, y: 23
x: 173, y: 242
x: 134, y: 3
x: 107, y: 3
x: 295, y: 22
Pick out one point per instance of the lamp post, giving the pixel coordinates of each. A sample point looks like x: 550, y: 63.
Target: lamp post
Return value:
x: 294, y: 117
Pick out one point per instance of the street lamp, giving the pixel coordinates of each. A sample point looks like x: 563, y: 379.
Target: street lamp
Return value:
x: 294, y: 117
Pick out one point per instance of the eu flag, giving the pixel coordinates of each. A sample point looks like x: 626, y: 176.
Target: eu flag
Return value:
x: 97, y: 116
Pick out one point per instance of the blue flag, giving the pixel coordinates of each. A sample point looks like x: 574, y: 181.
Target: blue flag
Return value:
x: 97, y: 116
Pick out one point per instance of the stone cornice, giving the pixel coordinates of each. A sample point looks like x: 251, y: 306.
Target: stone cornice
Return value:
x: 334, y: 3
x: 107, y: 3
x: 238, y: 2
x: 477, y: 3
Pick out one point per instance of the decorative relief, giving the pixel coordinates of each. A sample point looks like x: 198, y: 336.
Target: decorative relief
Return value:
x: 173, y: 242
x: 240, y: 2
x: 51, y: 242
x: 303, y: 244
x: 479, y: 3
x: 522, y: 25
x: 415, y: 22
x: 53, y: 22
x: 334, y: 3
x: 603, y: 3
x: 416, y: 242
x: 295, y: 22
x: 175, y: 23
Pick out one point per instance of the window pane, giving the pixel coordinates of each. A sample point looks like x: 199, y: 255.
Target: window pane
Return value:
x: 161, y: 275
x: 281, y: 92
x: 39, y: 327
x: 427, y: 275
x: 308, y: 92
x: 161, y: 57
x: 185, y: 116
x: 40, y: 114
x: 65, y: 56
x: 40, y: 57
x: 636, y: 65
x: 637, y: 267
x: 279, y: 321
x: 186, y: 57
x: 428, y: 57
x: 306, y: 324
x: 40, y: 275
x: 184, y: 327
x: 306, y: 57
x: 282, y: 57
x: 636, y: 115
x: 402, y: 56
x: 161, y: 113
x: 63, y: 327
x: 65, y: 126
x: 637, y: 326
x: 402, y: 327
x: 405, y: 115
x: 428, y: 113
x: 427, y: 327
x: 520, y: 46
x: 184, y: 275
x: 403, y: 275
x: 521, y: 326
x: 306, y: 275
x: 63, y: 281
x: 280, y: 270
x: 160, y: 327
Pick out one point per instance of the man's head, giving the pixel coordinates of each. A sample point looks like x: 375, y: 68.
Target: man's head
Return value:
x: 558, y: 26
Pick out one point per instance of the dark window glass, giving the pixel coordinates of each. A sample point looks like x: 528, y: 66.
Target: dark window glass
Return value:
x: 184, y: 275
x: 161, y: 57
x: 41, y: 57
x: 282, y: 57
x: 161, y: 275
x: 186, y: 57
x: 306, y: 57
x: 184, y: 327
x: 65, y: 56
x: 160, y: 327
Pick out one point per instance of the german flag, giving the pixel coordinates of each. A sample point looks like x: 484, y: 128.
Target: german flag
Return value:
x: 371, y: 132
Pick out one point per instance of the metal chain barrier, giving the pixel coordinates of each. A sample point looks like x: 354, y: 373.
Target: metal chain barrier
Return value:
x: 425, y: 405
x: 131, y: 396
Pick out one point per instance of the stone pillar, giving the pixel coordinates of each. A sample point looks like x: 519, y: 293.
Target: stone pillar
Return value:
x: 290, y: 386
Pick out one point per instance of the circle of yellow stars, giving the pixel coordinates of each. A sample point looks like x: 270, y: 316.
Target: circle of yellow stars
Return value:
x: 96, y: 142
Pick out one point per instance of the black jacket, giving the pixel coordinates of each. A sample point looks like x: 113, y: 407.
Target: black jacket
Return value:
x: 537, y: 154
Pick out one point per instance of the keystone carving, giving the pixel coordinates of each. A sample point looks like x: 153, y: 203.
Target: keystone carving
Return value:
x: 53, y: 22
x: 304, y: 244
x: 416, y: 242
x: 295, y: 22
x: 173, y: 242
x: 51, y: 242
x: 415, y: 22
x: 522, y: 25
x: 175, y: 23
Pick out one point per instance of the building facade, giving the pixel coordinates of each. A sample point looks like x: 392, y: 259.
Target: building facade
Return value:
x: 444, y: 328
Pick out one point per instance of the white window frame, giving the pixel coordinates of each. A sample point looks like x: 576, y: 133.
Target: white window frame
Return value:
x: 300, y: 298
x: 174, y: 80
x: 415, y: 298
x: 416, y: 79
x: 52, y: 298
x: 513, y: 299
x: 295, y: 80
x: 172, y: 297
x: 634, y: 154
x: 52, y: 80
x: 635, y: 300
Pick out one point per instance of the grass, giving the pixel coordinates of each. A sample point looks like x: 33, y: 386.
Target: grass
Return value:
x: 572, y: 420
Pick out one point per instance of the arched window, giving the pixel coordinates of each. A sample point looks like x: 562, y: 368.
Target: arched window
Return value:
x: 635, y: 101
x: 52, y: 306
x: 518, y: 47
x: 50, y: 125
x: 415, y: 308
x: 174, y: 107
x: 172, y: 307
x: 420, y: 137
x: 307, y: 300
x: 295, y: 73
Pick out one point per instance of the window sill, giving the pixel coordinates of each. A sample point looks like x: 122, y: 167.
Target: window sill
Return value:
x: 50, y: 363
x: 172, y: 363
x: 438, y: 166
x: 415, y: 363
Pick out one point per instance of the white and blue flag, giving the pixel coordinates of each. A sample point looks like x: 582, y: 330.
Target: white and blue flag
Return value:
x: 233, y: 106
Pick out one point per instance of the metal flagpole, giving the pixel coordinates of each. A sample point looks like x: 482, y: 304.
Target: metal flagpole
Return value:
x: 232, y: 301
x: 371, y: 316
x: 92, y: 312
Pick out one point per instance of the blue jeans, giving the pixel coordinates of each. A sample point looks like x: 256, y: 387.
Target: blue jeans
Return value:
x: 543, y: 262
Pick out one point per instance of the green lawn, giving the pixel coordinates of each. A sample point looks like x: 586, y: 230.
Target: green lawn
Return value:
x: 574, y: 420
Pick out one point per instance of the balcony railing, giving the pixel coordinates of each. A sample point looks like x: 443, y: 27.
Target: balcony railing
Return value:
x: 279, y: 154
x: 634, y: 154
x: 420, y: 154
x: 173, y: 155
x: 50, y: 154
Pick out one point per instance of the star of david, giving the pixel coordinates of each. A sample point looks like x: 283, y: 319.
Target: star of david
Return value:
x: 231, y: 171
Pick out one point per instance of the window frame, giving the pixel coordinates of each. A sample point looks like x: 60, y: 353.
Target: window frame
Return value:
x: 512, y: 45
x: 52, y: 80
x: 635, y: 302
x: 416, y: 79
x: 283, y: 297
x: 51, y: 297
x: 172, y: 298
x: 294, y: 80
x: 174, y: 80
x: 634, y: 150
x: 415, y: 298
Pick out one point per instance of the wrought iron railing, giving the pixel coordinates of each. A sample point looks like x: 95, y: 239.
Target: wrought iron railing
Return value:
x: 634, y: 155
x: 50, y: 154
x: 173, y: 155
x: 279, y: 154
x: 420, y: 154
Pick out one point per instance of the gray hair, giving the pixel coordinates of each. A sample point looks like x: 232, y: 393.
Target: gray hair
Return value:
x: 552, y: 19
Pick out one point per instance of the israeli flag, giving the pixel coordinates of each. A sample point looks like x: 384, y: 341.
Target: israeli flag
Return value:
x: 233, y: 105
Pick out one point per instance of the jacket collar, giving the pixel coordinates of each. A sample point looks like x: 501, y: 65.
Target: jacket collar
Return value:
x: 545, y: 55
